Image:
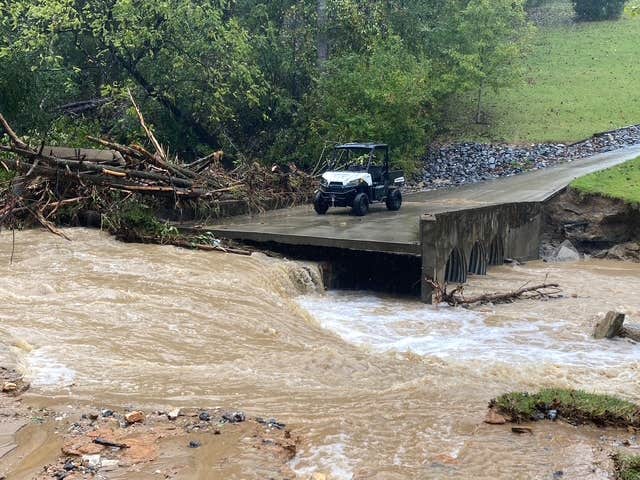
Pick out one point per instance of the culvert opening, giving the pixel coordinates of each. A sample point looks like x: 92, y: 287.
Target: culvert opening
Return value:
x: 478, y: 259
x: 344, y: 269
x: 496, y: 252
x: 456, y: 270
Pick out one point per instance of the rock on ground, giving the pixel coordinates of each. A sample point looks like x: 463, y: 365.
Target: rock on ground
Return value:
x: 565, y: 252
x: 462, y: 163
x: 610, y: 326
x: 629, y: 251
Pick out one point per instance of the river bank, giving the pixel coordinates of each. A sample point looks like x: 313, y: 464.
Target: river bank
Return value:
x: 595, y: 225
x: 370, y: 386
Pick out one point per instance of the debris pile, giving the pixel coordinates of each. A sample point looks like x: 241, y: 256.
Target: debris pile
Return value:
x: 39, y: 182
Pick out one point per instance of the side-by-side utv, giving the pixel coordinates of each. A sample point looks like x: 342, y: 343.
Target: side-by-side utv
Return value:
x: 358, y: 175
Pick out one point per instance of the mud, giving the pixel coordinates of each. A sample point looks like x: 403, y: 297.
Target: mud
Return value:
x: 594, y: 224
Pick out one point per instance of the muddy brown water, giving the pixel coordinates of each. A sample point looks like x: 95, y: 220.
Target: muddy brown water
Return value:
x: 375, y: 386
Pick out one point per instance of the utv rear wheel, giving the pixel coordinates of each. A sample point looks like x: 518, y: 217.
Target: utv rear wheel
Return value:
x: 319, y: 205
x: 360, y: 205
x: 394, y: 200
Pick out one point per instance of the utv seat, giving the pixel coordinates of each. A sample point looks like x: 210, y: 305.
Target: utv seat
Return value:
x: 376, y: 174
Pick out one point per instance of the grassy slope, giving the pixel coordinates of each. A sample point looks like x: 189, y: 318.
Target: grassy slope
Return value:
x: 579, y: 79
x: 627, y: 466
x: 572, y: 405
x: 620, y: 182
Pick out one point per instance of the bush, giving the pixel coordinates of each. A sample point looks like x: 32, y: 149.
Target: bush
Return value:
x: 587, y: 10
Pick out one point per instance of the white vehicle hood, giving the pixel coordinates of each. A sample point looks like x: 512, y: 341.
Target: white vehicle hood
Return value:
x: 345, y: 177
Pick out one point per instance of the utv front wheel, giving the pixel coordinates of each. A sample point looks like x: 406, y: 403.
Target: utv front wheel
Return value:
x: 360, y: 205
x: 394, y: 200
x: 319, y: 205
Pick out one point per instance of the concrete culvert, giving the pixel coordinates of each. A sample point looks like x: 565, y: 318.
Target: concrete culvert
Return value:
x: 478, y: 259
x: 496, y: 252
x: 456, y: 270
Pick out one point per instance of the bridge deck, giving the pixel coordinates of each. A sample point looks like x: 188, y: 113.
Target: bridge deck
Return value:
x: 398, y: 232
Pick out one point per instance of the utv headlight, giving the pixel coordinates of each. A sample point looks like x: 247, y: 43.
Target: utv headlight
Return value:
x: 323, y: 182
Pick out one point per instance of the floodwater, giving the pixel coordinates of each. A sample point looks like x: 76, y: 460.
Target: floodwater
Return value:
x: 376, y: 387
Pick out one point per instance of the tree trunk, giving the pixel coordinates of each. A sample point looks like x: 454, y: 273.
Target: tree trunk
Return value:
x: 479, y: 105
x: 323, y: 43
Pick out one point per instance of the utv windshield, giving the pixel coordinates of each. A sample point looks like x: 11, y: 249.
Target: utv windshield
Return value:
x: 351, y: 159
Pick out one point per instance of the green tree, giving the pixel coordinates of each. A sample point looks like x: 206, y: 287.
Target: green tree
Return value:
x: 256, y: 75
x: 493, y: 36
x: 186, y: 55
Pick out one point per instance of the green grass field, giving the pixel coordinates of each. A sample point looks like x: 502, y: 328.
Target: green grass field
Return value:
x: 580, y: 79
x: 621, y: 182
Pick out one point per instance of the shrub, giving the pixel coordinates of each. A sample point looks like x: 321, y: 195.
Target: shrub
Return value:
x: 587, y: 10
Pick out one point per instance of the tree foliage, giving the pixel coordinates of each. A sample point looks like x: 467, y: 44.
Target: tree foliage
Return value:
x: 383, y: 96
x: 589, y: 10
x: 634, y: 9
x: 492, y: 34
x: 246, y: 75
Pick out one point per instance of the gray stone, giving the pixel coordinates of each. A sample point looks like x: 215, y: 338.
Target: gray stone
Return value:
x: 566, y: 252
x: 173, y: 414
x: 610, y: 326
x: 625, y: 251
x: 631, y: 332
x: 471, y: 162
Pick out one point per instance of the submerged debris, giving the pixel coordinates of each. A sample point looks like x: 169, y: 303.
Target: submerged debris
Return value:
x: 96, y: 446
x: 456, y: 296
x: 522, y: 430
x: 271, y: 423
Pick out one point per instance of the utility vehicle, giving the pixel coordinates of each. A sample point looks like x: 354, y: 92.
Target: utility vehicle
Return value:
x: 358, y: 175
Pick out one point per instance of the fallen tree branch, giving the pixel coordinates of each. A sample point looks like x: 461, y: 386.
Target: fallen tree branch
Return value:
x: 456, y: 296
x: 12, y: 135
x: 81, y: 166
x: 77, y: 108
x: 195, y: 246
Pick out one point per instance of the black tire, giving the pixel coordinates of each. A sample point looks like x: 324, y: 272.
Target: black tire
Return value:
x: 360, y: 205
x: 319, y: 205
x: 394, y: 200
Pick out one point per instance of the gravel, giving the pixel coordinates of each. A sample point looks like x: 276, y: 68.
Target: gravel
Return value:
x: 464, y: 163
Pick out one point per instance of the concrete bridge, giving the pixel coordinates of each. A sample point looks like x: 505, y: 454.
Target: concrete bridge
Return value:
x: 442, y: 235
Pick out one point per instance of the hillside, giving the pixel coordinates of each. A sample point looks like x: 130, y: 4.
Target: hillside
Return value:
x: 579, y: 79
